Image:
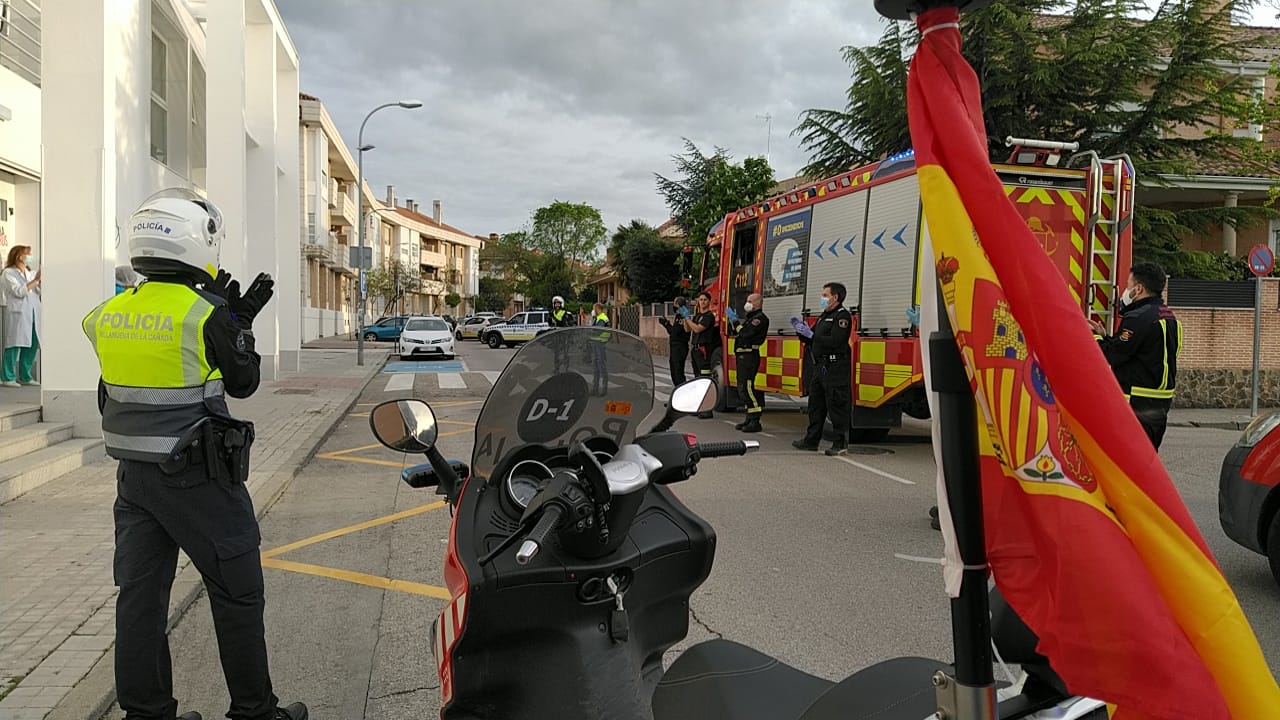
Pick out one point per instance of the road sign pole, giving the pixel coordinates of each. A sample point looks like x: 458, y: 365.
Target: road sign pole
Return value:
x: 1262, y: 260
x: 1257, y: 342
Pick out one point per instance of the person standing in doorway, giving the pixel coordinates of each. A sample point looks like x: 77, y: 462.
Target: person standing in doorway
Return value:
x: 751, y: 335
x: 830, y: 390
x: 1143, y: 354
x: 706, y: 340
x: 20, y: 283
x: 678, y: 344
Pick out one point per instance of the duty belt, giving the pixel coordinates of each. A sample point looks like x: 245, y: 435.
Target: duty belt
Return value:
x: 747, y: 349
x: 828, y: 359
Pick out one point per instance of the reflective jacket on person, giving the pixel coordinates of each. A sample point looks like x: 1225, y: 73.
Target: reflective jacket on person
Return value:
x: 1143, y: 353
x: 752, y: 333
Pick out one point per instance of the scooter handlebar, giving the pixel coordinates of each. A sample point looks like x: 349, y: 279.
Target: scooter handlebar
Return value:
x: 538, y: 535
x: 723, y: 449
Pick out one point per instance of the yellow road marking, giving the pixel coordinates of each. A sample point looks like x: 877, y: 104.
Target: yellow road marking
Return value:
x: 354, y: 528
x: 367, y: 461
x: 349, y: 450
x: 359, y: 414
x: 404, y: 586
x: 457, y: 422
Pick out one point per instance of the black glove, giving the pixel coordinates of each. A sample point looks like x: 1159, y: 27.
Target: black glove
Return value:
x: 223, y: 285
x: 254, y: 299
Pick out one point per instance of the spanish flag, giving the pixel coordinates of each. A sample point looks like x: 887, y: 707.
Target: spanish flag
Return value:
x: 1086, y: 536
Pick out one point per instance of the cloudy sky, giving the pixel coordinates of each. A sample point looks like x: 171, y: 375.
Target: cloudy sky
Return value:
x: 577, y: 100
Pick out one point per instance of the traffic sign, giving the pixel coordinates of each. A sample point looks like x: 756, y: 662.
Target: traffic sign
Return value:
x: 1261, y: 260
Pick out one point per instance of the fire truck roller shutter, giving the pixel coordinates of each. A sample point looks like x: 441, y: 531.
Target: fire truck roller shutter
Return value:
x: 837, y: 248
x: 889, y: 268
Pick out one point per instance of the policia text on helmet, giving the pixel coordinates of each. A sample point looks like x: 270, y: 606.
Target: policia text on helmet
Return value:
x: 170, y: 350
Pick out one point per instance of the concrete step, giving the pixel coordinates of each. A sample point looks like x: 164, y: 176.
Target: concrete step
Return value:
x: 29, y: 438
x: 37, y: 468
x: 16, y: 416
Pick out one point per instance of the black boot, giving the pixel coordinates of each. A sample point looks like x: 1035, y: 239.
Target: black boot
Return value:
x: 804, y: 445
x: 191, y: 715
x: 296, y: 711
x: 752, y: 425
x: 740, y: 425
x: 706, y: 415
x: 837, y: 449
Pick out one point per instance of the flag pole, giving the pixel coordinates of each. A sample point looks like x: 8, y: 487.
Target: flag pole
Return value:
x: 970, y: 694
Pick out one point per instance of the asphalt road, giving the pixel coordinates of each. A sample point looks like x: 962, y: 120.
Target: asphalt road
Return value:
x: 810, y: 564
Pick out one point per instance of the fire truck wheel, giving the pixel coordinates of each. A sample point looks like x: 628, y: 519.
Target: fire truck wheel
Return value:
x: 727, y: 397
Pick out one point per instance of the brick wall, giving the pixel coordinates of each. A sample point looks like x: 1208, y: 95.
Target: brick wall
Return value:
x: 1214, y: 369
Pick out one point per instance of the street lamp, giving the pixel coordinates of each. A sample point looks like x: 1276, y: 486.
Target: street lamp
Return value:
x: 408, y: 105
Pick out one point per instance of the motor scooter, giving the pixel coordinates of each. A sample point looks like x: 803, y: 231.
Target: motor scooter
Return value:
x: 570, y: 563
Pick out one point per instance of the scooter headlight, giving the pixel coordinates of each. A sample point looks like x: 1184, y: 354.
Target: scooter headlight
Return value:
x: 1258, y: 429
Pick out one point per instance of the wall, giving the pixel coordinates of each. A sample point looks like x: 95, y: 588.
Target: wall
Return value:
x: 1215, y: 368
x: 20, y: 135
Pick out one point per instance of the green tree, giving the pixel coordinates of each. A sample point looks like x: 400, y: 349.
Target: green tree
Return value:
x: 452, y: 300
x: 706, y: 188
x: 391, y: 282
x: 572, y: 231
x: 1090, y: 73
x: 544, y: 277
x: 622, y: 237
x: 654, y: 268
x: 493, y: 295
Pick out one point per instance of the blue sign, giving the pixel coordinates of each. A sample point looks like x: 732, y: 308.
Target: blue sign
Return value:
x: 786, y: 244
x: 1261, y: 260
x: 789, y: 225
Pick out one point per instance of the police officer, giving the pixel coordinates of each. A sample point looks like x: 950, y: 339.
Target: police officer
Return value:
x: 559, y: 316
x: 829, y: 388
x: 751, y: 334
x: 599, y: 355
x: 169, y: 350
x: 706, y: 339
x: 1144, y: 352
x: 678, y: 343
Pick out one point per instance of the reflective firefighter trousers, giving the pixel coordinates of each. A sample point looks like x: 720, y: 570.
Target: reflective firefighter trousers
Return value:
x: 748, y: 365
x: 213, y: 522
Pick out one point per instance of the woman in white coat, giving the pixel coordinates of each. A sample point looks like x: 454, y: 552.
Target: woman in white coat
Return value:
x: 22, y: 317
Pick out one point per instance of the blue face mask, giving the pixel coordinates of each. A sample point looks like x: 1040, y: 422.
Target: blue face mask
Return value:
x: 823, y: 302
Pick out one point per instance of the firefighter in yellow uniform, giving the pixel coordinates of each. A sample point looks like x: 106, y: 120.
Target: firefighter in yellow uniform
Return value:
x: 752, y: 332
x: 170, y: 350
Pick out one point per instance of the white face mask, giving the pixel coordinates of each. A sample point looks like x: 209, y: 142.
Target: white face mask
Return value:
x: 1127, y: 298
x: 748, y: 307
x: 824, y: 301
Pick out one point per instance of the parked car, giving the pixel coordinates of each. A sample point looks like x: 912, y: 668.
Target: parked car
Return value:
x: 1249, y: 489
x: 428, y: 335
x: 521, y: 328
x: 483, y: 334
x: 472, y: 325
x: 384, y: 329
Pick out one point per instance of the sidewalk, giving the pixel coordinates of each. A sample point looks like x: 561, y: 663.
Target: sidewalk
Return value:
x: 57, y: 597
x: 1219, y: 418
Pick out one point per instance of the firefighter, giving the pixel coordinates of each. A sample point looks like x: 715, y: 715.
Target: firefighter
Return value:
x: 1144, y: 353
x: 678, y: 344
x: 750, y: 336
x: 706, y: 340
x: 168, y: 352
x: 829, y: 389
x: 559, y: 316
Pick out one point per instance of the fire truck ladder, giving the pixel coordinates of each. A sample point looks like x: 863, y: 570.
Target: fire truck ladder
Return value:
x: 1106, y: 180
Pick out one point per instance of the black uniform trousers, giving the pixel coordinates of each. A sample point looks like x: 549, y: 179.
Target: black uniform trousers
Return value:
x: 748, y: 366
x: 214, y: 523
x: 830, y: 393
x: 704, y: 359
x: 1153, y: 415
x: 678, y: 354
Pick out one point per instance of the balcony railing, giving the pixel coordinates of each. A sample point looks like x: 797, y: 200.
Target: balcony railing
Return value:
x: 20, y: 38
x: 344, y: 210
x: 342, y: 257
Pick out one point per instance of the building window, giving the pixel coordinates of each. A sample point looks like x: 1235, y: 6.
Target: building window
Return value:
x: 199, y: 128
x: 159, y: 100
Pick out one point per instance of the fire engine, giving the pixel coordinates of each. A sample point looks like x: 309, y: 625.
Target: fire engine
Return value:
x: 863, y: 228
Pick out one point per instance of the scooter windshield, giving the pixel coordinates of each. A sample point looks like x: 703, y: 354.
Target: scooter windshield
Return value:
x: 566, y: 386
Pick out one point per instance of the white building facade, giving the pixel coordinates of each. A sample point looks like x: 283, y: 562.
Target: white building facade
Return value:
x: 19, y: 126
x: 141, y: 95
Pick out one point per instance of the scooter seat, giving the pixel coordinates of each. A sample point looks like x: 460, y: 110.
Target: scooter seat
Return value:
x: 724, y: 680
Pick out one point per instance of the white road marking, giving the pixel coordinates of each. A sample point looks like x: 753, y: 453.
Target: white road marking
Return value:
x: 400, y: 382
x: 917, y: 558
x: 870, y: 469
x: 492, y: 375
x: 451, y: 381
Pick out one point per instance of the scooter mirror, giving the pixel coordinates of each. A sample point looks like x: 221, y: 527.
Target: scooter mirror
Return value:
x: 695, y: 396
x: 404, y: 425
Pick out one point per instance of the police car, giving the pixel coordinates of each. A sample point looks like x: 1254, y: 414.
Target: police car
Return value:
x: 521, y: 328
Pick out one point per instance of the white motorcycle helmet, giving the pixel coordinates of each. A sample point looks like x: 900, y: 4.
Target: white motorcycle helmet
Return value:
x: 176, y: 232
x: 557, y: 299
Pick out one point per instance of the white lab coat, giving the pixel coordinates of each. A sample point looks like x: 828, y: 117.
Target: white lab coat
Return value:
x: 23, y: 310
